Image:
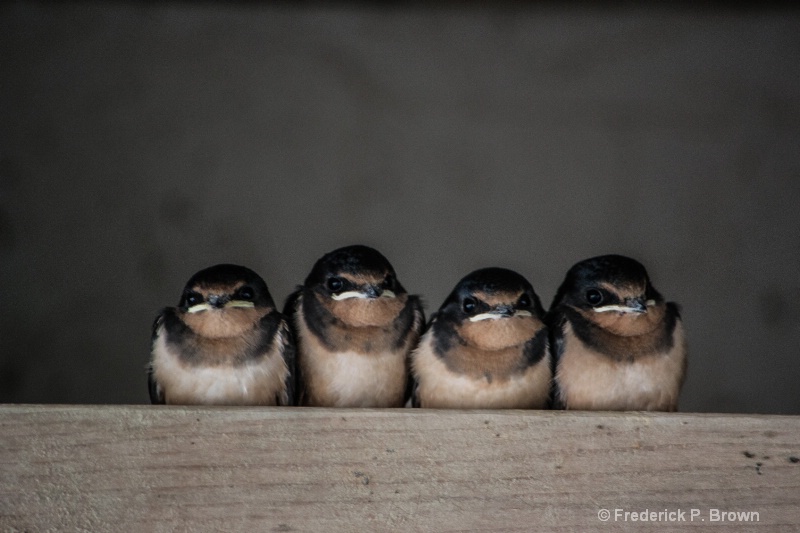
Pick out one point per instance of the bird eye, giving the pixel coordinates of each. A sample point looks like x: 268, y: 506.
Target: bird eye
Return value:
x: 193, y: 298
x: 389, y: 282
x: 335, y: 284
x: 594, y: 297
x: 469, y: 305
x: 246, y: 293
x: 524, y: 301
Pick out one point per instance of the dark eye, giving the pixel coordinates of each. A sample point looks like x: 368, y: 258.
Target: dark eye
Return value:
x: 246, y: 293
x: 193, y: 298
x: 335, y: 284
x: 389, y: 282
x: 469, y: 305
x: 594, y: 297
x: 524, y: 301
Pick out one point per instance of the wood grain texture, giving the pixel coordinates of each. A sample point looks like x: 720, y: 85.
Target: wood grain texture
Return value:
x: 148, y: 468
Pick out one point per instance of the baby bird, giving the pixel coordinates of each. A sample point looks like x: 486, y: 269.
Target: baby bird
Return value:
x: 485, y: 348
x: 617, y: 344
x: 224, y: 344
x: 355, y: 325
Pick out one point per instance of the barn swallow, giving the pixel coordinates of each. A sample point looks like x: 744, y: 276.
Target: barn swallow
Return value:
x: 485, y: 348
x: 224, y: 344
x: 355, y: 325
x: 617, y: 345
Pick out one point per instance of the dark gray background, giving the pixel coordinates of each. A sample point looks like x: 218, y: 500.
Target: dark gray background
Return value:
x: 142, y: 142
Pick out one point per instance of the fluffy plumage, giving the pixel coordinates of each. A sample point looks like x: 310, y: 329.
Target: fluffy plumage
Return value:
x: 486, y: 347
x: 355, y: 325
x: 223, y: 344
x: 617, y: 344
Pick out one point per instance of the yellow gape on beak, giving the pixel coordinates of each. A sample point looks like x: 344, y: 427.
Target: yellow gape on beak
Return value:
x: 199, y: 307
x: 496, y: 315
x: 240, y: 303
x: 363, y: 295
x: 205, y: 306
x: 349, y: 294
x: 625, y: 308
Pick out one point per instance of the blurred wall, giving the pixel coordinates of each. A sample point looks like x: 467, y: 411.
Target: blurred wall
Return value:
x: 142, y: 142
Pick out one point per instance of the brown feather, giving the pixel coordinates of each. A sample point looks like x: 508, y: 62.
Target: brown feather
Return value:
x: 590, y: 380
x: 366, y: 370
x: 219, y: 374
x: 487, y: 382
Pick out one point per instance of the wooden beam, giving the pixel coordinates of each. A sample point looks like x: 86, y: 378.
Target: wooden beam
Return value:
x: 143, y: 468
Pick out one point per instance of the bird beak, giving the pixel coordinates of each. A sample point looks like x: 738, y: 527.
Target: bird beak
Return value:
x: 216, y: 301
x: 199, y: 307
x: 501, y: 311
x: 635, y: 306
x: 347, y: 295
x: 370, y: 292
x: 239, y: 303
